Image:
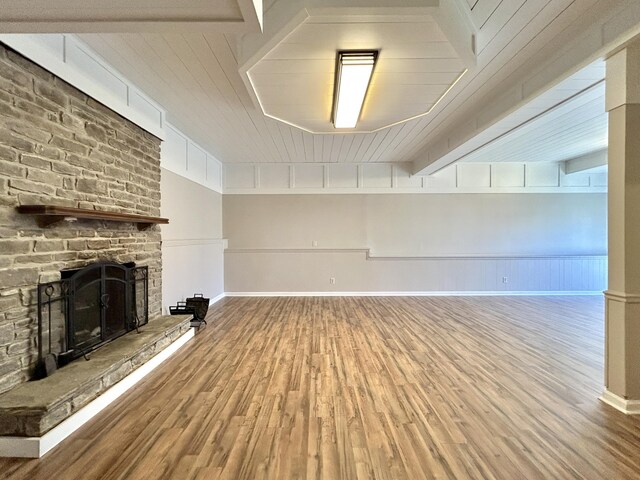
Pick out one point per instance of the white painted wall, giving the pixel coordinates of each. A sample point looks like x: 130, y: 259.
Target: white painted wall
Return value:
x: 192, y: 248
x: 418, y: 225
x: 418, y: 243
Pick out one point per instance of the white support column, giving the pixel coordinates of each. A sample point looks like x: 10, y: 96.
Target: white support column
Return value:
x: 622, y: 307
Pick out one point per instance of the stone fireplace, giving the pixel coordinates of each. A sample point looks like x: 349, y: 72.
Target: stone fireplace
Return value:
x: 60, y: 147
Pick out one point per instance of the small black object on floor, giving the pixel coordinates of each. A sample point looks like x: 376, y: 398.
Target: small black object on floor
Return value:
x: 198, y: 306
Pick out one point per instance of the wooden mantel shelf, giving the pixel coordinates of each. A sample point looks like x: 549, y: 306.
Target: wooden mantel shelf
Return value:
x: 47, y: 215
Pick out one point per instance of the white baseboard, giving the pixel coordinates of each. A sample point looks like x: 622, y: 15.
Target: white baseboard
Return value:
x: 412, y: 294
x: 36, y: 447
x: 218, y: 298
x: 628, y: 407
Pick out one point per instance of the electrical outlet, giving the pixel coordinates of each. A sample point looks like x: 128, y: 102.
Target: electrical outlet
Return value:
x: 314, y: 243
x: 332, y: 280
x: 505, y: 279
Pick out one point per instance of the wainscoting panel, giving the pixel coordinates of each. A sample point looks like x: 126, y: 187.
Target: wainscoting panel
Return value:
x: 196, y: 162
x: 474, y: 175
x: 507, y: 174
x: 341, y: 176
x: 353, y: 270
x: 282, y: 178
x: 542, y: 175
x: 186, y: 158
x: 277, y: 177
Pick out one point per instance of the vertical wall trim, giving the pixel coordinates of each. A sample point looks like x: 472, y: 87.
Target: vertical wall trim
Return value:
x: 64, y: 48
x: 394, y: 176
x: 359, y: 178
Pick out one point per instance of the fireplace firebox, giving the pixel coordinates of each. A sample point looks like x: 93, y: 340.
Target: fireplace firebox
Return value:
x: 87, y: 308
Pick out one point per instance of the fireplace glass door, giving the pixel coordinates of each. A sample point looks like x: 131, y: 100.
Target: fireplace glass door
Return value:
x: 87, y: 314
x: 98, y: 308
x: 114, y: 302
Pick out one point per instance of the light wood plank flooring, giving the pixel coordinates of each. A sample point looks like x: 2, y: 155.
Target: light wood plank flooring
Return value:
x: 364, y: 388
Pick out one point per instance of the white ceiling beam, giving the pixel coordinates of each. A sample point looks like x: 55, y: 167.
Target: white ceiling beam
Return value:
x: 124, y: 26
x: 586, y: 162
x: 515, y: 123
x: 252, y: 14
x: 458, y: 28
x: 285, y: 15
x: 136, y: 16
x: 579, y: 46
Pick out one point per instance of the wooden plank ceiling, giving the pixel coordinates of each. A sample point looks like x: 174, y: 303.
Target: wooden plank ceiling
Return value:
x: 573, y: 129
x: 195, y: 77
x: 294, y: 80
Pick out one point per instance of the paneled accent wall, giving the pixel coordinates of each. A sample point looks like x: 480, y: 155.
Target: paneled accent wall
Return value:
x: 396, y: 178
x: 443, y: 242
x: 60, y: 147
x: 186, y: 158
x: 355, y: 272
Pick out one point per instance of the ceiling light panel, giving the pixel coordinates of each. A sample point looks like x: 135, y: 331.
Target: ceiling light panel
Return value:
x: 353, y: 75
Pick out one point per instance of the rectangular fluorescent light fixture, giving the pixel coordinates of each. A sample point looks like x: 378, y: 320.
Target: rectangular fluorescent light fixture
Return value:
x: 353, y: 73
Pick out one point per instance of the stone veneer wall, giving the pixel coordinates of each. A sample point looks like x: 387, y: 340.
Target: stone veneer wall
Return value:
x: 60, y: 147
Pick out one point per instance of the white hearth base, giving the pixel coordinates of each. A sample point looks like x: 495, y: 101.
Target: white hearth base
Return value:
x: 36, y: 447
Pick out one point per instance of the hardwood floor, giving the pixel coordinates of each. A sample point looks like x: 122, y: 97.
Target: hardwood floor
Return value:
x: 378, y: 387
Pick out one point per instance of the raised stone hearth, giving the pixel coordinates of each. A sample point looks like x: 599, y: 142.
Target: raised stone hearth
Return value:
x: 34, y: 408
